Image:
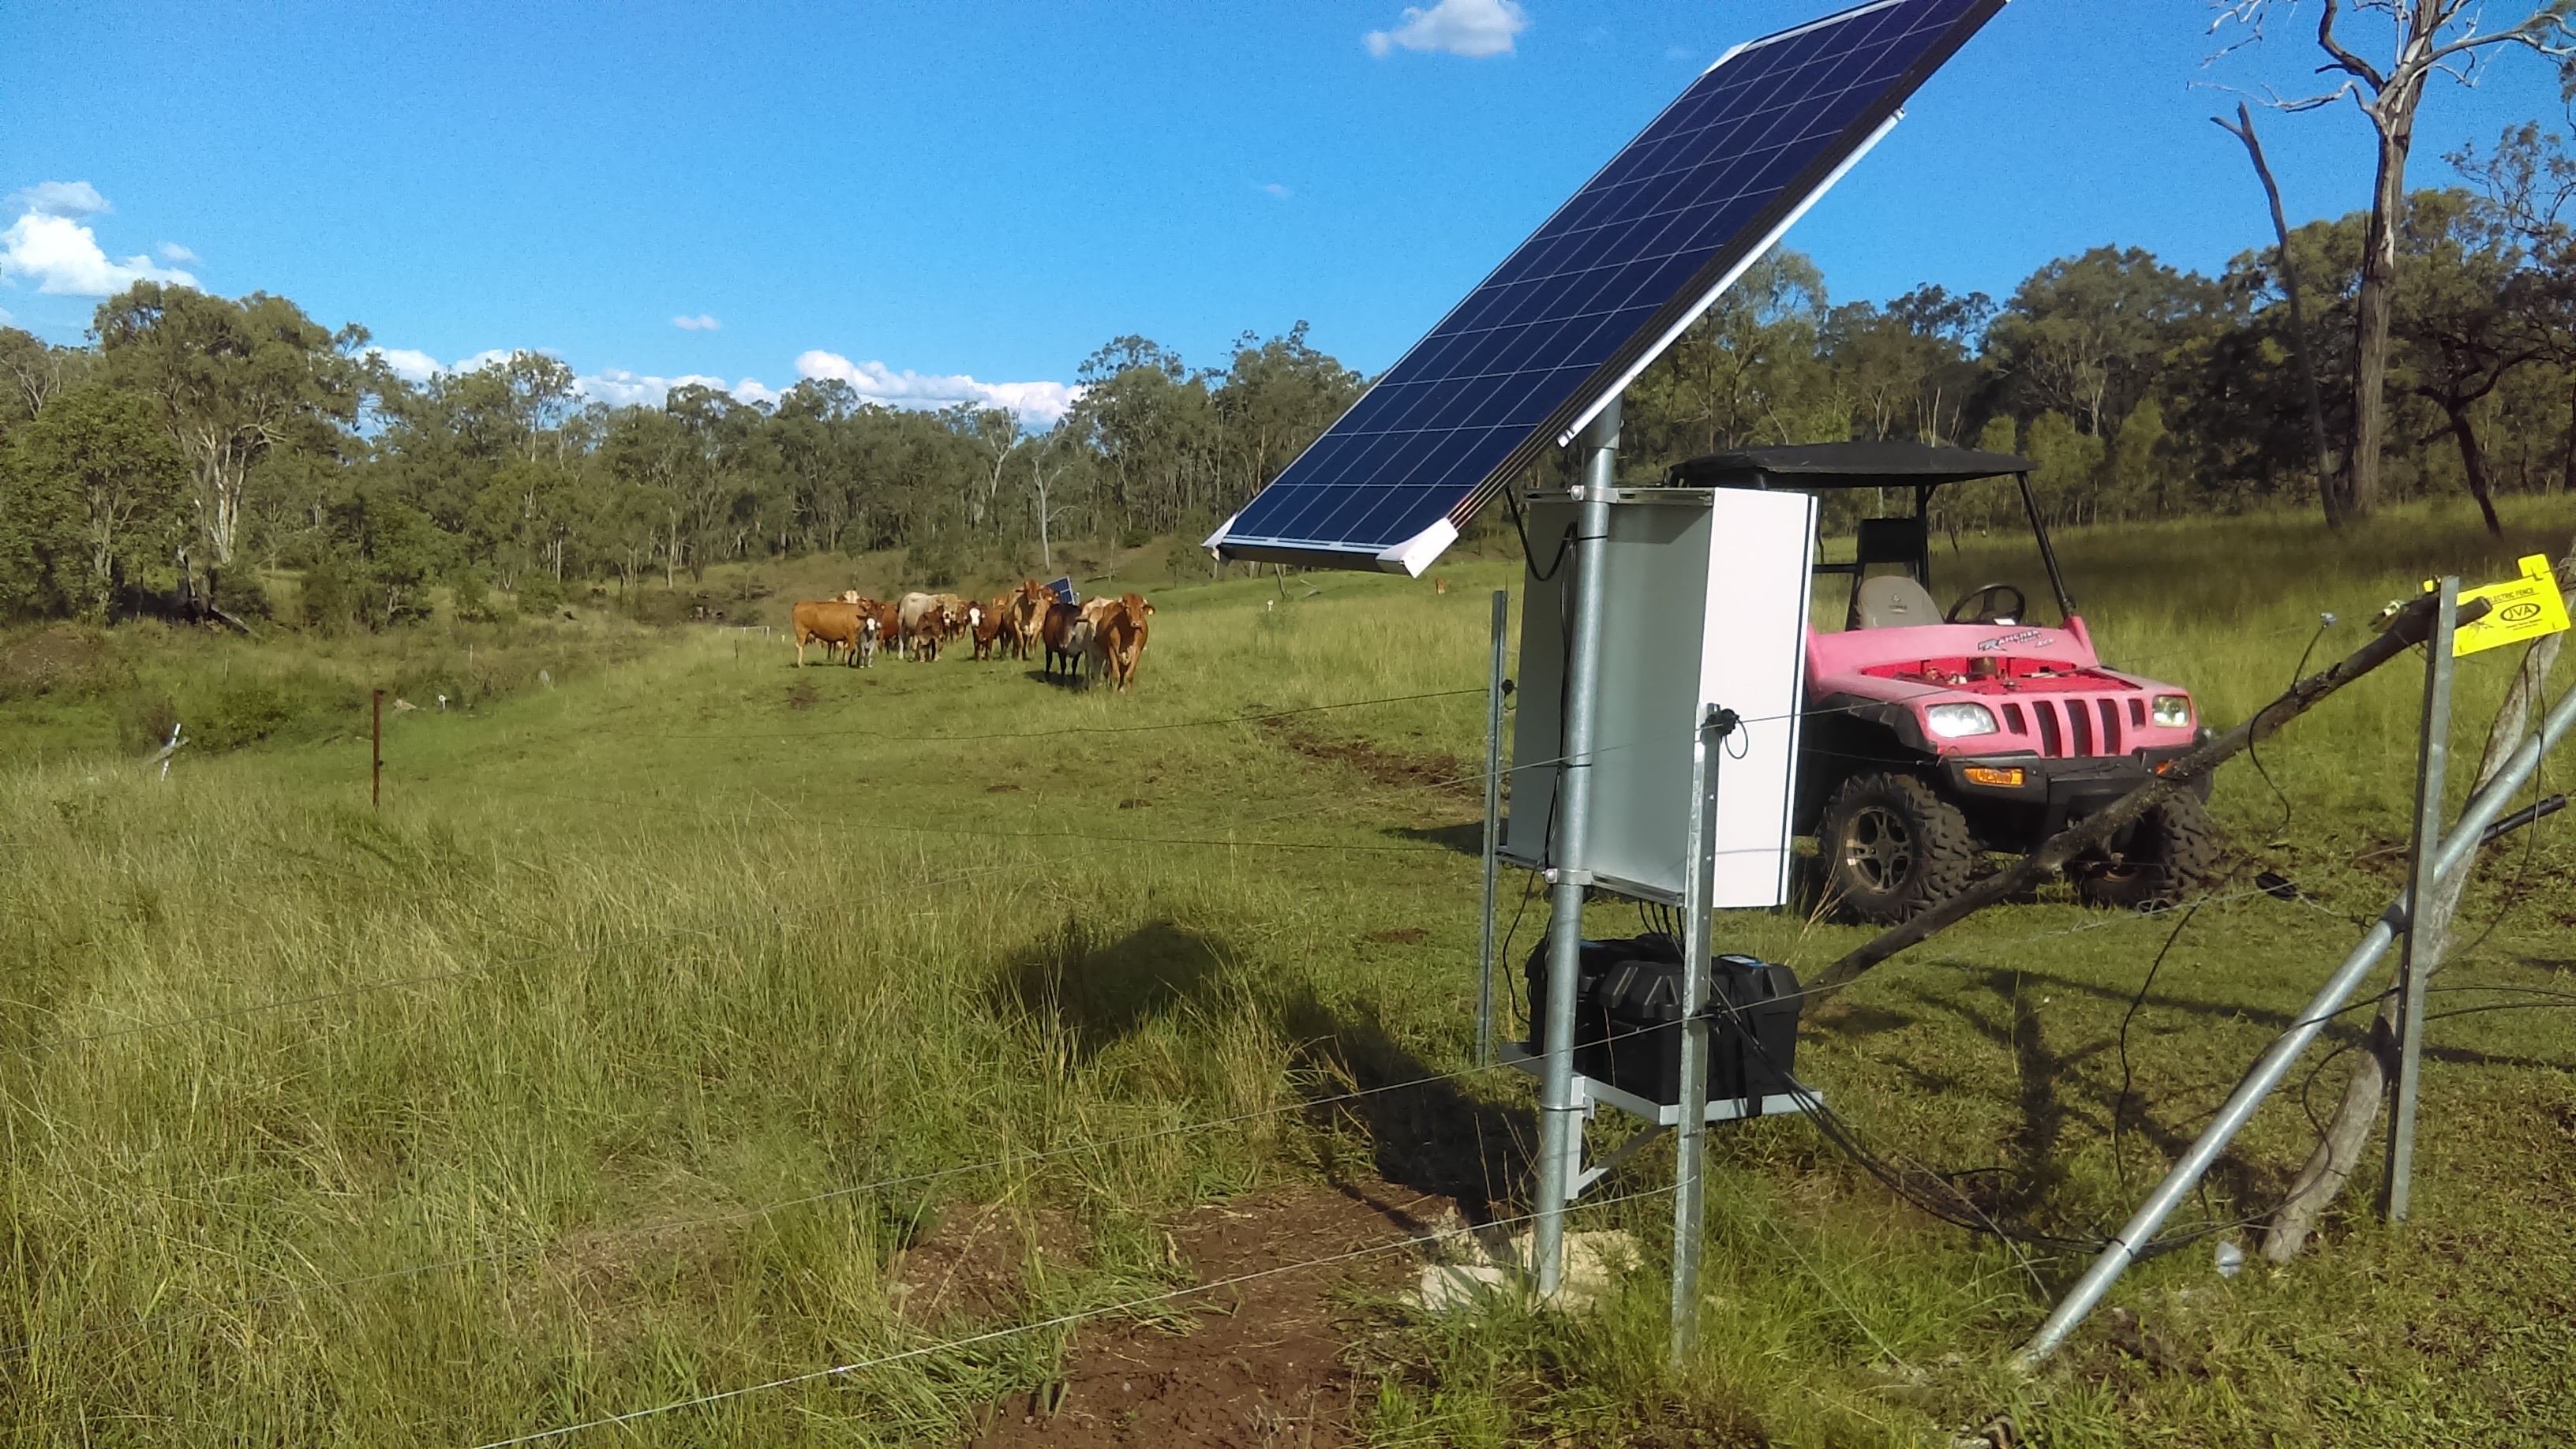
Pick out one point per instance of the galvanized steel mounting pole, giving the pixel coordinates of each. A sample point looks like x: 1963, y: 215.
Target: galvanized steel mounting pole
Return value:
x: 1493, y: 829
x: 1689, y: 1134
x: 2455, y: 853
x: 2421, y: 952
x: 1560, y: 1117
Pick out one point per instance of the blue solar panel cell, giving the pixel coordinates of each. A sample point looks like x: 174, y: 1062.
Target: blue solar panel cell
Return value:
x: 1602, y: 287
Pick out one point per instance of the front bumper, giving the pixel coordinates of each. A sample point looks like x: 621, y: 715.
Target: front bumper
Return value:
x: 2062, y: 787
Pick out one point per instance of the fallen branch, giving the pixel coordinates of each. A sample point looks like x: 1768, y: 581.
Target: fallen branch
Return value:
x: 2407, y: 630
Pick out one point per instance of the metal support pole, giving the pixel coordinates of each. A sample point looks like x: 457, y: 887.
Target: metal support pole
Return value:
x: 1560, y: 1117
x: 2457, y: 850
x: 1689, y: 1195
x: 2421, y: 952
x: 376, y: 755
x: 1493, y: 829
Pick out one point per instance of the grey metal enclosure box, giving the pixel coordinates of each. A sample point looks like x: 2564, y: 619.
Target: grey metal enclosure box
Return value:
x: 1705, y: 604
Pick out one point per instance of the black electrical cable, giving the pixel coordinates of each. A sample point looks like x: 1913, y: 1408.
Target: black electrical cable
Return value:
x: 1529, y: 558
x: 2120, y: 1104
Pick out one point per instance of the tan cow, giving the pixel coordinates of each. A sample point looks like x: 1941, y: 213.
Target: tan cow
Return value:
x: 1028, y: 606
x: 828, y: 622
x: 1118, y: 639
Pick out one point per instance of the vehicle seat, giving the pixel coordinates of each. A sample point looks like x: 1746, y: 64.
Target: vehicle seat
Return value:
x: 1892, y: 601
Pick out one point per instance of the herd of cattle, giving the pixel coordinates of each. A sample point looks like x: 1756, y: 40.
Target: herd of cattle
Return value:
x: 1099, y: 636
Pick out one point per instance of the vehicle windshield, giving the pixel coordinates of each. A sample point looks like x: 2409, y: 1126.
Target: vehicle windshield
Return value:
x: 1984, y: 561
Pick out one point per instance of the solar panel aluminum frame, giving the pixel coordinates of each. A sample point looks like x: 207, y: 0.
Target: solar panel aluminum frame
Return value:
x: 1688, y: 304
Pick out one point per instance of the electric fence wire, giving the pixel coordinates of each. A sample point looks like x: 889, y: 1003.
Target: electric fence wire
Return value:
x: 1836, y: 1129
x: 1061, y: 1320
x: 1830, y: 1124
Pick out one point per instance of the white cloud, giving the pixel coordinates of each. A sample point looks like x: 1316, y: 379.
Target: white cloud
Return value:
x: 1473, y: 28
x: 411, y: 366
x: 1278, y: 190
x: 1041, y: 402
x: 63, y: 259
x: 617, y: 387
x: 62, y: 198
x: 700, y: 323
x: 173, y: 252
x: 416, y: 367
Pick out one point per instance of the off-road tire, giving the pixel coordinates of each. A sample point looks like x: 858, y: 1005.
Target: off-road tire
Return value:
x: 1891, y: 847
x: 2171, y: 849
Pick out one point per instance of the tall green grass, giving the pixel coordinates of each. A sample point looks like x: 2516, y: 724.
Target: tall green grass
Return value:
x: 623, y: 962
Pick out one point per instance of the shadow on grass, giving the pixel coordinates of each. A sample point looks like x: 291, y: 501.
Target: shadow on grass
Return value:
x: 1423, y: 1132
x: 1426, y: 1135
x: 1071, y: 682
x: 1466, y: 839
x: 1097, y: 992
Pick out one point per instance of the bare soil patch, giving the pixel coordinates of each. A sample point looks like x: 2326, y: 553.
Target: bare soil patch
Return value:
x: 1262, y: 1362
x: 1427, y: 770
x: 972, y: 1267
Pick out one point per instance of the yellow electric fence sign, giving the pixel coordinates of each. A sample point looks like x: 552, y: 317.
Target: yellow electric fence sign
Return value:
x: 2517, y: 610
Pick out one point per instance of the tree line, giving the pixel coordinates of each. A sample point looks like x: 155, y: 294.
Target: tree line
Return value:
x: 195, y: 446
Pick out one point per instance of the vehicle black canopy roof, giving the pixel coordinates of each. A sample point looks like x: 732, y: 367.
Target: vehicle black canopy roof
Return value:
x: 1919, y: 466
x: 1844, y: 465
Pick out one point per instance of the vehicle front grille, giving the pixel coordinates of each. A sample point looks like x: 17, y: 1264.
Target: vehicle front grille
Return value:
x: 2072, y: 726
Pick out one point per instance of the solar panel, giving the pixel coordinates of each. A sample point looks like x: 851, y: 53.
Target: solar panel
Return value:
x: 1600, y: 290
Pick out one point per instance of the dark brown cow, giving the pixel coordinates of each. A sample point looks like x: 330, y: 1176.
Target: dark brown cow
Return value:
x: 1066, y: 634
x: 990, y: 622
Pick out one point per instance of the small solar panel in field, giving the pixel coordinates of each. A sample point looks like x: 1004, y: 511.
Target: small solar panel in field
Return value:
x: 1600, y: 290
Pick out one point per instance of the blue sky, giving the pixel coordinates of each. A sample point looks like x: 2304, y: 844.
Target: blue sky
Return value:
x: 914, y: 195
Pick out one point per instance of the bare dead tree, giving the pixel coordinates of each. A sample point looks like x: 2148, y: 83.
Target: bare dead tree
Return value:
x: 2329, y: 488
x: 2431, y: 37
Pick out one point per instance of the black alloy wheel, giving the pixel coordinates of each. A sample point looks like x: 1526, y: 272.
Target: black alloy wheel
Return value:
x: 1893, y: 848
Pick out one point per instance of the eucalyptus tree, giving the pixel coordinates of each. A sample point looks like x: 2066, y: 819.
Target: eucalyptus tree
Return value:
x: 1750, y: 370
x: 2088, y: 336
x: 231, y: 381
x: 95, y: 486
x: 1276, y: 397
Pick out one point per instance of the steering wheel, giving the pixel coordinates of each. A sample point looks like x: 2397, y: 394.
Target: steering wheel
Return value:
x: 1986, y: 600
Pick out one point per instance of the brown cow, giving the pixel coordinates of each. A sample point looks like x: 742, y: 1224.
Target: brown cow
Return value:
x: 990, y: 622
x: 1118, y: 639
x: 889, y: 622
x: 829, y: 622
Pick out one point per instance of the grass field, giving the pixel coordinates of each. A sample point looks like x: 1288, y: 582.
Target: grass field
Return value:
x: 554, y: 1088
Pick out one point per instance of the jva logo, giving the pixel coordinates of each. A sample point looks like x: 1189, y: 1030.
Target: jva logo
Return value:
x: 2522, y: 613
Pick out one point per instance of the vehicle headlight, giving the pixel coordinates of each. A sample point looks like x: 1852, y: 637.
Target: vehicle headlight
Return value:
x: 1955, y: 721
x: 2173, y: 711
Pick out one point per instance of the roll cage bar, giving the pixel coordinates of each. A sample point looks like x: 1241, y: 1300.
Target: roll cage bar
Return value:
x: 1922, y: 467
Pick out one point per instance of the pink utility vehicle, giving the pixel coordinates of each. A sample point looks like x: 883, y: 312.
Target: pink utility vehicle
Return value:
x: 1932, y: 736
